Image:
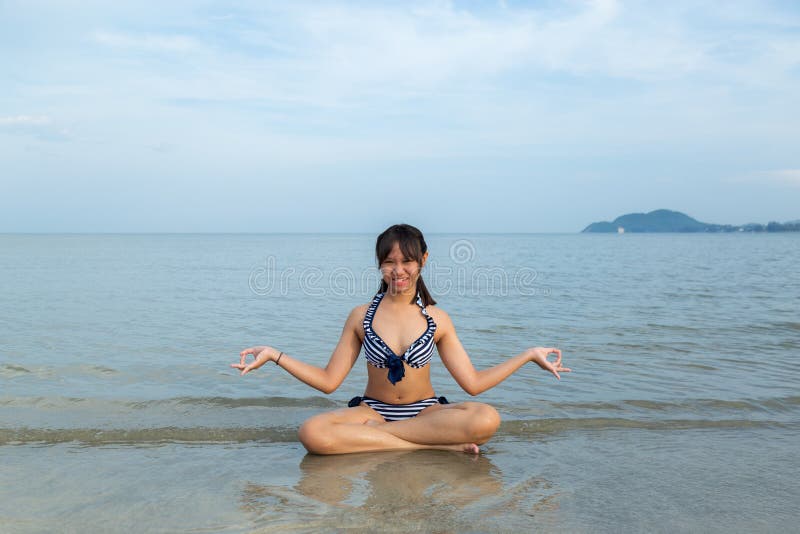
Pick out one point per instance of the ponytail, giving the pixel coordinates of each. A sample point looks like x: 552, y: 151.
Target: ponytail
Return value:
x: 424, y: 294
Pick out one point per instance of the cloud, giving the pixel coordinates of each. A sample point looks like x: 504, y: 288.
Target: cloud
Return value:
x: 39, y: 126
x: 790, y: 177
x: 493, y: 69
x: 605, y: 92
x: 779, y: 177
x: 24, y: 120
x: 429, y: 45
x: 524, y: 74
x: 146, y: 42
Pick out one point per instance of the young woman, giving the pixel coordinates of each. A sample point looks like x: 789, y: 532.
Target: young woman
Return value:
x: 399, y: 409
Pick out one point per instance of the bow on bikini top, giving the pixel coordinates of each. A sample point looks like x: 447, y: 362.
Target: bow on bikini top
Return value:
x: 379, y: 354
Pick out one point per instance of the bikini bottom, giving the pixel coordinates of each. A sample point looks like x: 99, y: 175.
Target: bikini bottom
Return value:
x: 397, y: 412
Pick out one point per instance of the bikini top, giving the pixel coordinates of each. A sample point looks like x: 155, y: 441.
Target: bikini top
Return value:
x: 379, y: 354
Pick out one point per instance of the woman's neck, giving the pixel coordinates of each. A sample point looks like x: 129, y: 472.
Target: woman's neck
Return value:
x: 403, y: 297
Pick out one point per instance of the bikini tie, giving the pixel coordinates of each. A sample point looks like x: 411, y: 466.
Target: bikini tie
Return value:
x: 396, y: 369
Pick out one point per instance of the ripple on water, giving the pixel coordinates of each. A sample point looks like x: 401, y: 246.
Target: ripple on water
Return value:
x: 11, y: 370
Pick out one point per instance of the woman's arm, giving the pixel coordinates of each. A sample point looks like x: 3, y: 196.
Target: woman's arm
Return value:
x: 326, y: 380
x: 471, y: 380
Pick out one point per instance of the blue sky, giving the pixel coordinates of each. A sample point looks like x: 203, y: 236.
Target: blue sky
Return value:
x: 474, y: 116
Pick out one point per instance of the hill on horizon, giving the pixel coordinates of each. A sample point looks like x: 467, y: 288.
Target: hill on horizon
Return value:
x: 661, y: 220
x: 664, y: 220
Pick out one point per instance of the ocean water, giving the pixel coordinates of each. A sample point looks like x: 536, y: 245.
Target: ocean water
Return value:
x: 118, y: 411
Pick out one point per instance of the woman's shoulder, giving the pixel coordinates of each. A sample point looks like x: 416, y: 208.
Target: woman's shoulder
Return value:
x: 355, y: 321
x: 359, y: 311
x: 438, y: 314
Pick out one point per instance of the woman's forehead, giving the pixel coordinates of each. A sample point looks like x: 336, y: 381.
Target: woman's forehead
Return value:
x: 400, y: 249
x: 396, y: 250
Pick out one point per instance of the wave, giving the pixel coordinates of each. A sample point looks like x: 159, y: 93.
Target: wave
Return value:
x: 164, y: 410
x: 513, y: 429
x: 15, y: 370
x: 221, y: 402
x: 243, y: 402
x: 777, y: 404
x: 561, y: 425
x: 144, y: 436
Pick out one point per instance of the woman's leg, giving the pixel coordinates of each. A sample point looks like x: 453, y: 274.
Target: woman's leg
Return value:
x: 360, y: 429
x: 441, y: 424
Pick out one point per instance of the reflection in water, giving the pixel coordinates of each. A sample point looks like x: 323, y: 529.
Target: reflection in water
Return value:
x: 409, y: 490
x: 399, y: 481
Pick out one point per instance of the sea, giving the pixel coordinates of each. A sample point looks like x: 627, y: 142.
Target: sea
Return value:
x: 119, y: 411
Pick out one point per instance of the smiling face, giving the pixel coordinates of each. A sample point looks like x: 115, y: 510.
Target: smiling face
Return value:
x: 401, y: 252
x: 399, y: 271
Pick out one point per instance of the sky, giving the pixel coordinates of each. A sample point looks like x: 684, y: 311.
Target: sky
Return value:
x: 258, y: 116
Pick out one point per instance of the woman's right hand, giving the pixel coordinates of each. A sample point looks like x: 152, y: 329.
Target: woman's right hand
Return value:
x: 262, y: 355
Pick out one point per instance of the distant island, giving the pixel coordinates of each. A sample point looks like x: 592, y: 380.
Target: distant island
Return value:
x: 675, y: 221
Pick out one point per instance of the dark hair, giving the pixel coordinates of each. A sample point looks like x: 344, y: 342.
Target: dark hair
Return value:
x: 413, y: 246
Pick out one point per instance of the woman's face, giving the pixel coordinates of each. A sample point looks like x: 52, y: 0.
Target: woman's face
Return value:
x: 400, y: 272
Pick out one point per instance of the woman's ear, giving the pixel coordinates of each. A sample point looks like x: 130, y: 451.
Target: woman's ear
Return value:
x: 424, y: 259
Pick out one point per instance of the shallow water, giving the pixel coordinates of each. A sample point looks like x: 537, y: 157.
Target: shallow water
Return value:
x: 118, y: 411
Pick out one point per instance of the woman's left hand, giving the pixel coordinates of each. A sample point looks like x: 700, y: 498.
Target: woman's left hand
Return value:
x: 262, y: 355
x: 539, y: 355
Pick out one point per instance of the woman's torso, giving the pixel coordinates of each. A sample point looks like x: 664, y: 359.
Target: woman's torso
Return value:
x: 397, y: 327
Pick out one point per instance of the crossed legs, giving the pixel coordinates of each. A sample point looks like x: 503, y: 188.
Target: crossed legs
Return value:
x: 459, y: 427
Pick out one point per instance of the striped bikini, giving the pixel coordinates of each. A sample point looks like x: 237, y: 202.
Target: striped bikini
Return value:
x: 397, y: 412
x: 378, y: 354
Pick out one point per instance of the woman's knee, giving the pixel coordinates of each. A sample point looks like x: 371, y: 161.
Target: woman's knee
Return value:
x: 483, y: 422
x: 315, y: 435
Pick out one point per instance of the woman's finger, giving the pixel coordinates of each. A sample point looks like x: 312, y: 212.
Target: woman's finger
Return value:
x: 550, y: 367
x: 254, y: 351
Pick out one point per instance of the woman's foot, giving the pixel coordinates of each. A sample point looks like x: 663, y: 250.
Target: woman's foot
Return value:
x: 466, y: 448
